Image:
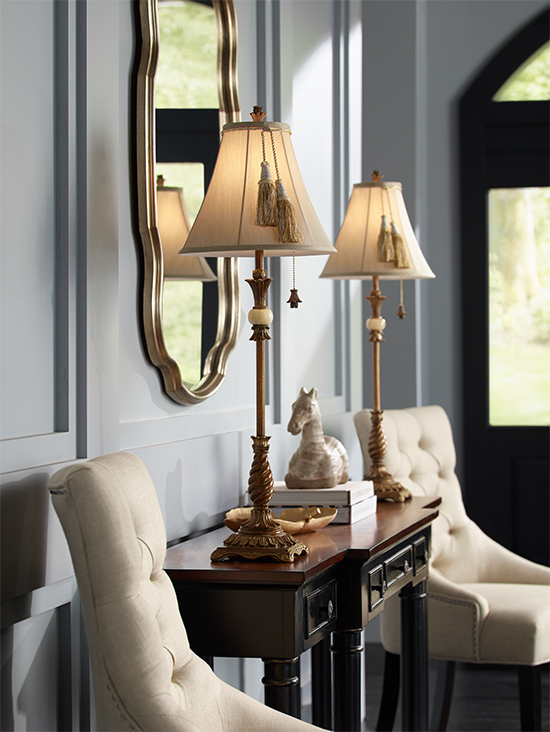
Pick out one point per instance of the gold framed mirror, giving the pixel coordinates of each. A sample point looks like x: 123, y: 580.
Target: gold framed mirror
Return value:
x: 214, y: 364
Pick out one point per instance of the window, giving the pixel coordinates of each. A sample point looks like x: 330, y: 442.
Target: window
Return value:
x: 531, y: 82
x: 519, y: 306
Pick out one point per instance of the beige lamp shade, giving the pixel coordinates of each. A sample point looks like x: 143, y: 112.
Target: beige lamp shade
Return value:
x: 357, y: 246
x: 225, y: 225
x: 173, y: 225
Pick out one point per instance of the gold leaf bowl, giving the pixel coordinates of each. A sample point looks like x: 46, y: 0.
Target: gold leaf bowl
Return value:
x: 292, y: 520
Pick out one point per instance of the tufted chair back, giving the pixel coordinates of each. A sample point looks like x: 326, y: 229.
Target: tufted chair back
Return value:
x: 116, y: 534
x: 145, y: 675
x: 421, y: 456
x: 475, y: 611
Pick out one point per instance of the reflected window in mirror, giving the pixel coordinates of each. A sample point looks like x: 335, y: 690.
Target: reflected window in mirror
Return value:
x: 187, y: 80
x: 187, y: 142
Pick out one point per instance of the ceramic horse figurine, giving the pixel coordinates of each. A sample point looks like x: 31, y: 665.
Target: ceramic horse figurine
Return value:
x: 320, y: 461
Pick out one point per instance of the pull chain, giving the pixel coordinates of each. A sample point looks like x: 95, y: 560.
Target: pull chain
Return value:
x: 294, y: 300
x: 401, y: 310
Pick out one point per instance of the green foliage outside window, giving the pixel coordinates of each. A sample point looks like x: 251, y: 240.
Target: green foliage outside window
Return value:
x: 519, y: 306
x: 531, y: 82
x: 186, y: 72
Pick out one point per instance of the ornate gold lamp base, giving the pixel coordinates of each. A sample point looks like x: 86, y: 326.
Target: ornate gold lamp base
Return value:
x: 385, y: 486
x: 260, y: 537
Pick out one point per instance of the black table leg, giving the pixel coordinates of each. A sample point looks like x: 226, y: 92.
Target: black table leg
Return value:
x: 414, y: 657
x: 321, y: 686
x: 346, y: 659
x: 282, y: 685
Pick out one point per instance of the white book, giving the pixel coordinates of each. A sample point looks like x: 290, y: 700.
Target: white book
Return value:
x: 356, y: 512
x: 345, y: 494
x: 345, y: 514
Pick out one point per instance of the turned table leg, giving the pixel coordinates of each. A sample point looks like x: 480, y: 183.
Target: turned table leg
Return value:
x: 282, y: 685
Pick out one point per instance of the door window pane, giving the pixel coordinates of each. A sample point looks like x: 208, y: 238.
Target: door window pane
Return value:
x: 529, y: 83
x: 519, y: 306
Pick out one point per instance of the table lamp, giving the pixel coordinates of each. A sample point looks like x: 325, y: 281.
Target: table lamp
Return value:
x: 257, y: 205
x: 377, y: 240
x: 174, y: 226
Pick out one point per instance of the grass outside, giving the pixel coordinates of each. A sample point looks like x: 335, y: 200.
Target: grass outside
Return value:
x: 519, y: 379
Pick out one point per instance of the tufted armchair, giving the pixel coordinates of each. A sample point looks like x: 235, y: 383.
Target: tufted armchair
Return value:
x: 145, y: 675
x: 485, y: 604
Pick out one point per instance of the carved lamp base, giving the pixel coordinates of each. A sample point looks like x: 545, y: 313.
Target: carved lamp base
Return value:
x: 385, y: 486
x: 260, y: 538
x: 388, y: 489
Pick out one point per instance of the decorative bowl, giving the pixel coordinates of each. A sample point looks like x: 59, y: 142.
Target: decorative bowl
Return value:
x: 292, y: 520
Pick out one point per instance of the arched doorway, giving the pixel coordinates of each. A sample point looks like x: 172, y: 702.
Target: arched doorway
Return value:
x: 505, y: 165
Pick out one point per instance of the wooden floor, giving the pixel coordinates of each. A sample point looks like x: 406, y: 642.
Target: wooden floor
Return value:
x: 485, y: 698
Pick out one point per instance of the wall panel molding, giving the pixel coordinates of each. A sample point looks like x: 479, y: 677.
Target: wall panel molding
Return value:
x: 36, y: 449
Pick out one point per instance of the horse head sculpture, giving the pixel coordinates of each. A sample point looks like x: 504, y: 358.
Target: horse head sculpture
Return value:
x: 320, y: 461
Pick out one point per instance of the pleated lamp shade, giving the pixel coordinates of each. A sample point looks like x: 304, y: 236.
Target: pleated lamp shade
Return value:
x: 225, y: 225
x: 173, y: 225
x: 357, y: 244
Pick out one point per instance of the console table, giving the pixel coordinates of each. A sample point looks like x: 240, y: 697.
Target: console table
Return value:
x: 323, y: 601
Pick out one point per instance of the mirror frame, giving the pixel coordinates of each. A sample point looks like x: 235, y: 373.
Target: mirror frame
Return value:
x: 228, y: 271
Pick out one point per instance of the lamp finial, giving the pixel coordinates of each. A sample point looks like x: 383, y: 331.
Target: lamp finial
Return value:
x: 376, y: 176
x: 257, y: 114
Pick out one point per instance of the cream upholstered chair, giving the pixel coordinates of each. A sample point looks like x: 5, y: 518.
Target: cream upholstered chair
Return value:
x: 485, y: 604
x: 145, y: 675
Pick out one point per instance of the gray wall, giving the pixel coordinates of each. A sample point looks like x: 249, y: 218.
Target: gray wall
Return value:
x: 75, y: 379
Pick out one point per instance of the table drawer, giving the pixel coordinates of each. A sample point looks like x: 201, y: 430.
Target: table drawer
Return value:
x: 398, y: 566
x: 321, y: 608
x: 421, y: 554
x: 376, y: 587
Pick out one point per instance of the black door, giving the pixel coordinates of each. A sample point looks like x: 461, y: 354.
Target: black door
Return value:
x: 505, y: 166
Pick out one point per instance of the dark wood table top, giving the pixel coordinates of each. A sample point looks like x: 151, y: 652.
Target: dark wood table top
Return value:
x: 190, y: 560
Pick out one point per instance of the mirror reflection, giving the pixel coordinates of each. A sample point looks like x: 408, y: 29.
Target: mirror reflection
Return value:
x: 186, y: 79
x: 186, y: 89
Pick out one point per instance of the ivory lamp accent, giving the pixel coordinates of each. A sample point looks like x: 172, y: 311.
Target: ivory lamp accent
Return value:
x: 376, y: 216
x: 226, y: 227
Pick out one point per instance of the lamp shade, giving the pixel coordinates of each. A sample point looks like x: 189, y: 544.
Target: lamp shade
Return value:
x: 226, y: 223
x: 358, y: 251
x: 173, y: 225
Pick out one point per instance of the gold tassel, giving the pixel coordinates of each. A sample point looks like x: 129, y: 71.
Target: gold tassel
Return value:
x: 386, y: 251
x: 402, y: 256
x: 289, y: 231
x: 266, y: 207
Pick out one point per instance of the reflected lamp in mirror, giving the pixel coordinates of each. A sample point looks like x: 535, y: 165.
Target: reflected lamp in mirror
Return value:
x: 377, y: 240
x: 174, y: 227
x: 257, y: 205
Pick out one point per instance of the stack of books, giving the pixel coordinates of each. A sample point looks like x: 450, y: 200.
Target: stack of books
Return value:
x: 355, y: 500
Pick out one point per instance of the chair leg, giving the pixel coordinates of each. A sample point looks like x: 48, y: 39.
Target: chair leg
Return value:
x: 530, y: 698
x: 443, y: 695
x: 390, y: 693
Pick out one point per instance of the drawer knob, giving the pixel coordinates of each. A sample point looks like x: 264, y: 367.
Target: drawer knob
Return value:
x: 330, y: 609
x: 406, y: 566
